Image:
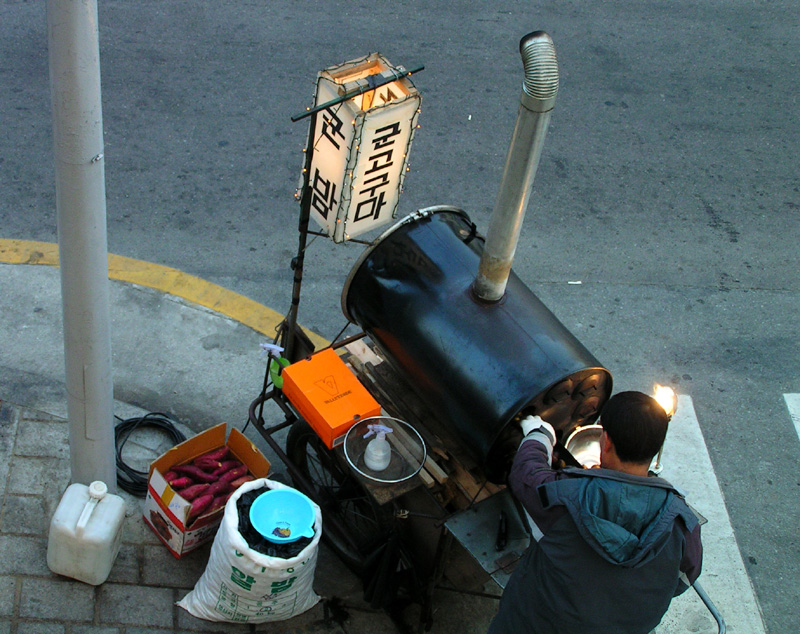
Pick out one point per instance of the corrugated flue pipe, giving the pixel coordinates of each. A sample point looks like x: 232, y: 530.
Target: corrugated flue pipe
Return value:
x: 538, y: 97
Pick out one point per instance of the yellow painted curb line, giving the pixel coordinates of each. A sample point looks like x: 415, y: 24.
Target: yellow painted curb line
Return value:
x: 165, y: 279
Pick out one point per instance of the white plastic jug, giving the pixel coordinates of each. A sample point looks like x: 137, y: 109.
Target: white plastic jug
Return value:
x: 85, y: 533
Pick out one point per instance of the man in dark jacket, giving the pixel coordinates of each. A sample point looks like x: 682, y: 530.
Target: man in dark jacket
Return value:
x: 610, y: 546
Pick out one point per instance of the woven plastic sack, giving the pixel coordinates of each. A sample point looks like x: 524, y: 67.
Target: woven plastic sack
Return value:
x: 241, y: 585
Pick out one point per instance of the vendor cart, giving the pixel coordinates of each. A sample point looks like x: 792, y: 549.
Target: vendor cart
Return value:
x: 399, y: 538
x: 457, y: 356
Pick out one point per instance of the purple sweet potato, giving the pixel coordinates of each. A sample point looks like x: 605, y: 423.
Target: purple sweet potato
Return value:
x: 233, y: 474
x: 206, y: 464
x: 181, y: 483
x: 194, y: 472
x: 240, y: 481
x: 226, y: 465
x: 194, y: 491
x: 218, y: 502
x: 169, y: 476
x: 218, y: 487
x: 218, y: 454
x: 200, y: 505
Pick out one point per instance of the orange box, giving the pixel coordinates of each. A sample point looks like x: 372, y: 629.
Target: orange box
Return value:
x: 328, y: 395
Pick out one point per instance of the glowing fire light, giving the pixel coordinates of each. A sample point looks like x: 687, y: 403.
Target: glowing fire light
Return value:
x: 666, y: 397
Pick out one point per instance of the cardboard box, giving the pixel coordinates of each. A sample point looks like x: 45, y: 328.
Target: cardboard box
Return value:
x: 328, y: 395
x: 166, y: 512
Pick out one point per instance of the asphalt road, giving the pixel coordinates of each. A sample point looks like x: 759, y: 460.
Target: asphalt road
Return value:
x: 667, y: 187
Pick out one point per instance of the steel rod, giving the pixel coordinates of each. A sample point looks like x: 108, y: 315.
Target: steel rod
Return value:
x: 372, y: 85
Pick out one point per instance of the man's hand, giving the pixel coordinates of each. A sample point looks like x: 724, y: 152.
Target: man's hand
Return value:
x: 534, y: 423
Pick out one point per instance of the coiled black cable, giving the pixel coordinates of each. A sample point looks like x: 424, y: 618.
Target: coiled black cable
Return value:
x: 129, y: 479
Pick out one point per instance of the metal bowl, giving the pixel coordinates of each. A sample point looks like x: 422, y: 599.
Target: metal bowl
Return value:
x: 584, y: 444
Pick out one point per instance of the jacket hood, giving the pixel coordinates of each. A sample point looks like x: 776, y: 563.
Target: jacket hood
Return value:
x: 625, y: 519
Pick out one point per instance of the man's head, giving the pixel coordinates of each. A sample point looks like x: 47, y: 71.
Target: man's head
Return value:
x: 636, y: 424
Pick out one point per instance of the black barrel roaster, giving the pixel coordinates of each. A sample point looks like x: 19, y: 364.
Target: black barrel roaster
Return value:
x: 479, y: 366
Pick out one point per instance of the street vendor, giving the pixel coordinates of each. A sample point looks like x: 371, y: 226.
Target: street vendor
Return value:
x: 610, y: 546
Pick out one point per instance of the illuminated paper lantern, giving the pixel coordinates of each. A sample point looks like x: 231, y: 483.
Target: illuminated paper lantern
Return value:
x: 360, y: 145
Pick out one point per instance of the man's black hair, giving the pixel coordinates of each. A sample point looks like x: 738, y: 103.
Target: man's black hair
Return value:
x: 636, y: 424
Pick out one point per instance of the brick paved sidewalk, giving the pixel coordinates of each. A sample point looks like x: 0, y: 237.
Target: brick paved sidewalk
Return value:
x: 145, y: 582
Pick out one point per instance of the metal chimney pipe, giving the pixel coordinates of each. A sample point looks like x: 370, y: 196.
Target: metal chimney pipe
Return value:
x: 538, y: 97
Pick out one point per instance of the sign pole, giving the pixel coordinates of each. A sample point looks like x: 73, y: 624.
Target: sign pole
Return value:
x: 290, y: 323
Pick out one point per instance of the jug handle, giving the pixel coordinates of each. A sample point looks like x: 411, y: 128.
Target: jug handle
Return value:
x: 97, y: 491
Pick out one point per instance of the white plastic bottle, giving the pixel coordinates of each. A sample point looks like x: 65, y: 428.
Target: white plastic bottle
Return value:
x: 378, y: 452
x: 86, y: 533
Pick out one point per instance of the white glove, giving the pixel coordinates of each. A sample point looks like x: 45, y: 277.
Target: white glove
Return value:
x: 535, y: 423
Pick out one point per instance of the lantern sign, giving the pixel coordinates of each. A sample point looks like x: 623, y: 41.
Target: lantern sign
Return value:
x: 360, y: 146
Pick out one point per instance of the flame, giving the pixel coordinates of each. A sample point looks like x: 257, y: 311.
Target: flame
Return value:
x: 666, y: 397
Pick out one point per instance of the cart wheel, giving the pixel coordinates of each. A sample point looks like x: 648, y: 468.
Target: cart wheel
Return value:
x: 341, y: 497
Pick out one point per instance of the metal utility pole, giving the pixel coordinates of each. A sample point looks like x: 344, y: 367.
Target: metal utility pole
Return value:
x: 74, y: 54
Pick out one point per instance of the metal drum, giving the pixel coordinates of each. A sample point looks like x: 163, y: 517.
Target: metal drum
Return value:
x: 480, y: 366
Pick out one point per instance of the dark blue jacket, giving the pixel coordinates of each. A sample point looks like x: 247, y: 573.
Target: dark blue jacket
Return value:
x: 607, y: 552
